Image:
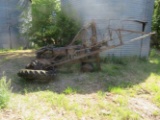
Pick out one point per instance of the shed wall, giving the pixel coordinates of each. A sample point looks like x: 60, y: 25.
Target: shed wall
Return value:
x: 10, y: 18
x: 116, y: 14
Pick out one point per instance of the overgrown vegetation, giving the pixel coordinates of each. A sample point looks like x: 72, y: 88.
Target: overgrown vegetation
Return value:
x: 4, y: 92
x: 156, y: 25
x: 122, y: 91
x: 49, y: 25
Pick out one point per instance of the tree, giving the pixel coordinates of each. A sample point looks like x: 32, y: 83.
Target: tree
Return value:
x: 49, y: 25
x: 156, y: 25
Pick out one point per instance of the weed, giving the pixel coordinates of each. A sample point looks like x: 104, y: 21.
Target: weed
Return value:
x: 156, y: 99
x: 134, y: 90
x: 121, y: 100
x: 101, y: 93
x: 122, y: 113
x: 79, y: 112
x: 129, y: 115
x: 25, y: 91
x: 70, y: 90
x: 4, y: 92
x: 153, y: 87
x: 117, y: 90
x: 156, y: 113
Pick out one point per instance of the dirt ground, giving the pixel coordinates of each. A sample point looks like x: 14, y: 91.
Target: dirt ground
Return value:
x: 11, y: 63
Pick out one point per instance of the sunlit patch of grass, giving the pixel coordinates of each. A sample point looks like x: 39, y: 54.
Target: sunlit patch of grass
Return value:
x: 121, y: 78
x: 10, y: 50
x: 101, y: 94
x: 156, y: 99
x: 4, y: 92
x: 121, y: 100
x: 70, y: 90
x: 156, y: 113
x: 133, y: 91
x: 152, y: 87
x: 117, y: 90
x: 29, y: 106
x: 58, y: 101
x: 128, y: 115
x: 152, y: 83
x: 122, y: 113
x: 30, y: 117
x: 154, y: 60
x: 102, y: 104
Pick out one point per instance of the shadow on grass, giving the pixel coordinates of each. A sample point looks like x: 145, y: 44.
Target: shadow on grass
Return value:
x: 116, y: 72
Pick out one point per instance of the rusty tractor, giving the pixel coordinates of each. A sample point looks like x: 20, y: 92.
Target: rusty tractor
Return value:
x: 48, y: 58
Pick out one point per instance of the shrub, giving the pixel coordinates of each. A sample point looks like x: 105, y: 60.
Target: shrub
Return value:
x: 156, y: 25
x: 4, y: 92
x: 49, y: 25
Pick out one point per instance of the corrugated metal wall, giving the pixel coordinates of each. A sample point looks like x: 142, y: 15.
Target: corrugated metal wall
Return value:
x: 10, y: 11
x: 116, y: 14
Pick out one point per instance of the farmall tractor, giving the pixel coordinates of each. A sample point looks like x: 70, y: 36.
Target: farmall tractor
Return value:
x: 48, y: 58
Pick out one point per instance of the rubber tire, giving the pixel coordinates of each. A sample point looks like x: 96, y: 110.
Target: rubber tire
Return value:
x: 36, y: 75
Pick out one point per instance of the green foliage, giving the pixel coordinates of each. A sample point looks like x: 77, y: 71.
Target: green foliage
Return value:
x: 70, y: 90
x: 156, y: 16
x: 4, y: 92
x: 49, y: 25
x: 117, y: 90
x: 156, y: 25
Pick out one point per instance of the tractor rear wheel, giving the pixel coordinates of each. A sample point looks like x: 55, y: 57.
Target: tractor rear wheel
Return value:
x: 36, y: 75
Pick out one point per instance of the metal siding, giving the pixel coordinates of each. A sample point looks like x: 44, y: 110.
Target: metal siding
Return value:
x: 146, y: 43
x: 113, y: 12
x: 10, y: 12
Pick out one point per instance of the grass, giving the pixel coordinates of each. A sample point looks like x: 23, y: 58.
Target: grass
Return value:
x: 156, y: 113
x: 10, y: 50
x: 104, y: 95
x: 121, y: 100
x: 112, y: 69
x: 101, y: 93
x: 4, y: 92
x: 117, y: 90
x: 156, y: 98
x: 18, y: 50
x: 70, y: 90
